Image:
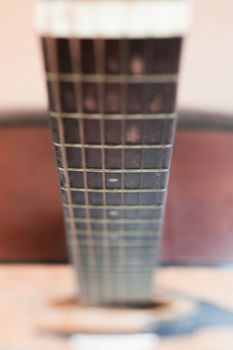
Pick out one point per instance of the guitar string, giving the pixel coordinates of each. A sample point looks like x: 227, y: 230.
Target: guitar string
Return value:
x: 142, y: 107
x: 174, y: 122
x: 162, y: 163
x: 123, y: 53
x: 146, y: 52
x: 76, y: 54
x: 52, y: 53
x: 163, y: 156
x: 99, y: 49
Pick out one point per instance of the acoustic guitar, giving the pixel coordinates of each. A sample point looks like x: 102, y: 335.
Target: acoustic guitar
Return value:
x: 112, y: 71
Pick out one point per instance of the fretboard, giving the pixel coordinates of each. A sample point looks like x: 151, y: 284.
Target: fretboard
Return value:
x: 112, y: 116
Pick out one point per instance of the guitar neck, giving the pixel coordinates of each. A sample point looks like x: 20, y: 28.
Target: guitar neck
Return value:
x: 112, y: 116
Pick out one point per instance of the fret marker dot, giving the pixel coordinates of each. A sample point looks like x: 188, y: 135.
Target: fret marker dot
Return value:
x: 113, y: 213
x: 114, y: 236
x: 113, y: 180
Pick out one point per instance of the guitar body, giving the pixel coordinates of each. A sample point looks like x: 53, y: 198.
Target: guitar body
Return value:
x: 186, y: 313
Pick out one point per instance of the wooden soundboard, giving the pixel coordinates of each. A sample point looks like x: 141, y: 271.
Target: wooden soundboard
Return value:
x: 193, y: 309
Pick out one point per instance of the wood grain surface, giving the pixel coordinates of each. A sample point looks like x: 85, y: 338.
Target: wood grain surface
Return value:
x: 31, y: 222
x: 199, y: 216
x: 30, y: 291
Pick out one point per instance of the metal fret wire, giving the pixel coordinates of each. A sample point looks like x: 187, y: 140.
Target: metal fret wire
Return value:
x: 114, y: 190
x: 135, y: 242
x: 52, y: 52
x: 97, y: 170
x: 99, y: 50
x: 96, y: 146
x: 75, y: 54
x: 130, y: 233
x: 122, y: 243
x: 128, y: 207
x: 129, y: 116
x: 122, y: 78
x: 124, y: 220
x: 120, y: 267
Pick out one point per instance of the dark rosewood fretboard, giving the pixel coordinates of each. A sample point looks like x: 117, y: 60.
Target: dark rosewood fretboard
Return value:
x: 112, y: 117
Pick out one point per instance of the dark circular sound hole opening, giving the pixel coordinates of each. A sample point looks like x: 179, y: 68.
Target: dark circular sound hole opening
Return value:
x: 157, y: 304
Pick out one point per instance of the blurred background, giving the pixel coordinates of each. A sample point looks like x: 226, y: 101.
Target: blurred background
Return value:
x: 199, y: 217
x: 207, y: 75
x: 199, y: 220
